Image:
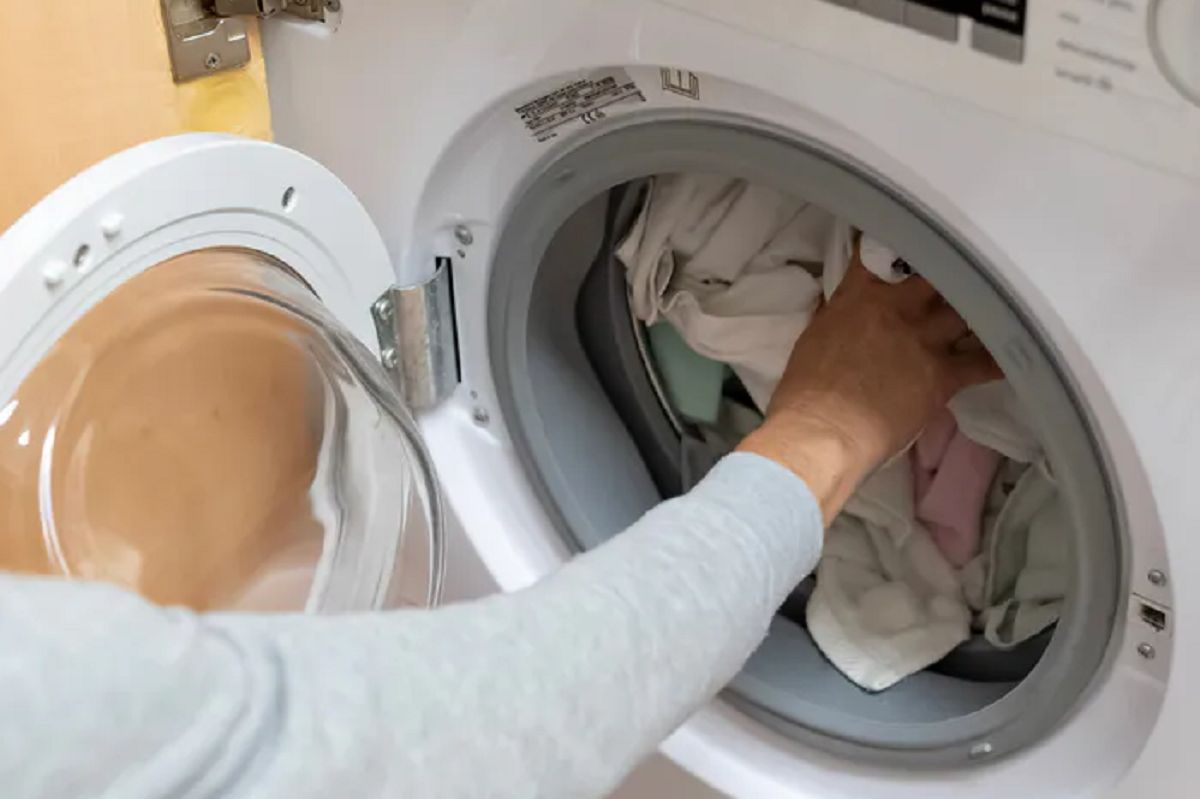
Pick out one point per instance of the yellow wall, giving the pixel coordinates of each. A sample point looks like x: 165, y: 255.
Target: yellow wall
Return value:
x: 82, y: 80
x: 85, y: 79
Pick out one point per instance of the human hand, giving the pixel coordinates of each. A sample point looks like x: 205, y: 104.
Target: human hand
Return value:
x: 876, y: 363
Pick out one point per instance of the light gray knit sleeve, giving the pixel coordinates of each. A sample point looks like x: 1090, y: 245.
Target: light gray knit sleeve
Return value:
x: 554, y: 691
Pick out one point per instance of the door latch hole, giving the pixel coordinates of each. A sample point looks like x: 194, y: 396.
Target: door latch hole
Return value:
x: 82, y: 258
x: 1154, y: 616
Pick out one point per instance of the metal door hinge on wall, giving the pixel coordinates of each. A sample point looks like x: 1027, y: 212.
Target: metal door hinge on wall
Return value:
x: 418, y: 338
x: 207, y: 36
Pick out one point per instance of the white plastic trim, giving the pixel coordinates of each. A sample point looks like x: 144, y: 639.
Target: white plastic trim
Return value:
x: 176, y: 195
x: 518, y: 542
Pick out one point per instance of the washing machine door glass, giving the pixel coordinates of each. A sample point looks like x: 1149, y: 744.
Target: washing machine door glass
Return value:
x: 188, y: 403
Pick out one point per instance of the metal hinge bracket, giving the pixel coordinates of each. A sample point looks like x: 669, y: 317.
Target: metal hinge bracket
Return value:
x: 418, y: 338
x: 207, y: 36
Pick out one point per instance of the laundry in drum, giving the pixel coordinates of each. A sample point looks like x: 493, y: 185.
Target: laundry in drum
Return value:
x: 693, y: 382
x: 952, y: 556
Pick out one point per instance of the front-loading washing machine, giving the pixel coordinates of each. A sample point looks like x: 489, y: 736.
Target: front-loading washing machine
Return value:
x: 1038, y: 161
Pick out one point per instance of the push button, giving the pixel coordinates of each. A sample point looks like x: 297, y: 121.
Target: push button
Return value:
x: 999, y: 27
x: 1000, y: 43
x: 1007, y: 15
x: 887, y: 10
x: 931, y: 19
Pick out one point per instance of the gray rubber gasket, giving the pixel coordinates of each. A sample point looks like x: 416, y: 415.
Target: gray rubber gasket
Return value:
x: 587, y: 471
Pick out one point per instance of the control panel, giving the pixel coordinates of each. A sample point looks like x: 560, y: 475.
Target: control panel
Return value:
x: 997, y: 26
x: 1123, y: 75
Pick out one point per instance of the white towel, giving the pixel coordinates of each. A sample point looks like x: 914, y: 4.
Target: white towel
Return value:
x: 887, y: 603
x: 731, y: 265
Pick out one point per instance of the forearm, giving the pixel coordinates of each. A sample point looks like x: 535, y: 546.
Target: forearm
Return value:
x: 555, y: 691
x: 829, y: 462
x: 635, y: 636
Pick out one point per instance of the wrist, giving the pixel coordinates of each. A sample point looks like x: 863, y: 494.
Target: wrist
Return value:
x: 830, y: 462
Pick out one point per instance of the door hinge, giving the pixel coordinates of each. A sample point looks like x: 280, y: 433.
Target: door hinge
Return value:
x: 207, y: 36
x: 418, y: 338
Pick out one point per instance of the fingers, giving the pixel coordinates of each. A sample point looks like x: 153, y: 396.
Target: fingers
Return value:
x: 857, y: 275
x: 915, y: 294
x: 967, y: 343
x: 970, y: 368
x: 944, y: 326
x: 938, y: 324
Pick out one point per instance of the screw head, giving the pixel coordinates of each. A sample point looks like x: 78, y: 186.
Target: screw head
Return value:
x: 1146, y: 651
x: 110, y: 226
x: 53, y: 274
x: 463, y: 235
x: 383, y: 308
x: 390, y: 357
x: 480, y: 415
x: 333, y: 5
x: 212, y: 61
x: 1157, y: 577
x: 981, y: 749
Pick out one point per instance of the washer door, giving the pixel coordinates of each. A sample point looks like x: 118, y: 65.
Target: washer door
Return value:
x: 191, y: 404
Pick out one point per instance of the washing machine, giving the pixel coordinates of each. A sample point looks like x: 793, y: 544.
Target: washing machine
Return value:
x: 450, y: 178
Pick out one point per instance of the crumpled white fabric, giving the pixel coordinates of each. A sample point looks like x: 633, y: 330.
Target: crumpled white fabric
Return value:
x: 1018, y: 582
x: 887, y: 603
x: 718, y: 259
x: 731, y: 265
x: 991, y: 414
x: 876, y: 257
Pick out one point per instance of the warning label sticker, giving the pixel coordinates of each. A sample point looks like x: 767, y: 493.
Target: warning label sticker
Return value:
x: 580, y: 102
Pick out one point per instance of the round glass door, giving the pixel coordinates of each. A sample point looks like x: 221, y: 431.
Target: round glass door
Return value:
x: 210, y: 436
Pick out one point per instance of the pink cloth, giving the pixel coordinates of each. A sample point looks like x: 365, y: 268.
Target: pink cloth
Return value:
x: 951, y: 475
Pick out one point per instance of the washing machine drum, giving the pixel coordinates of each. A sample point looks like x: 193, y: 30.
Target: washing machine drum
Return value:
x: 603, y: 444
x: 679, y: 453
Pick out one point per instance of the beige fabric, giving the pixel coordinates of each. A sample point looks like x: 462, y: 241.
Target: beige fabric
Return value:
x: 721, y: 260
